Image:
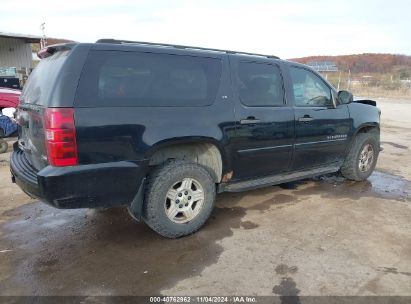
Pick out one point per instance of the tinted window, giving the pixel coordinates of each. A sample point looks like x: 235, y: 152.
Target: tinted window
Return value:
x: 260, y: 84
x: 309, y: 89
x: 42, y: 79
x: 146, y: 79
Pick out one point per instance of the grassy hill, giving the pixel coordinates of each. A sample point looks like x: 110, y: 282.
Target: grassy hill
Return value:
x: 367, y: 63
x: 369, y: 74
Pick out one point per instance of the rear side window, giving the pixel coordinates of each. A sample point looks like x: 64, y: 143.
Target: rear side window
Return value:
x: 42, y: 79
x: 115, y: 78
x: 260, y: 84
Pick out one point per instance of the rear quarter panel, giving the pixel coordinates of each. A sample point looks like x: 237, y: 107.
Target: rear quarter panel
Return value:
x: 132, y: 133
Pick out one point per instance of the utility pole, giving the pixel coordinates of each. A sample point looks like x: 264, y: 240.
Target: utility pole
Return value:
x: 43, y: 42
x: 349, y: 79
x: 339, y: 79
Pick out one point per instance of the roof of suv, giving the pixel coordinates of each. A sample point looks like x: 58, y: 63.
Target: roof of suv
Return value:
x: 181, y: 47
x: 110, y: 43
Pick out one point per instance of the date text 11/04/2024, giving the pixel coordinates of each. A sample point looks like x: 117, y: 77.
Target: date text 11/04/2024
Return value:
x: 203, y: 299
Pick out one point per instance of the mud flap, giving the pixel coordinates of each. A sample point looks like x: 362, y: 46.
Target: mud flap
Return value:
x: 136, y: 207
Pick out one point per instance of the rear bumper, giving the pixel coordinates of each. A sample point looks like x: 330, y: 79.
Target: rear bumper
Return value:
x: 84, y: 186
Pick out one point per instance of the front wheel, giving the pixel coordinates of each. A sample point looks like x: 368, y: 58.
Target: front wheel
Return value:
x: 179, y: 199
x: 362, y: 157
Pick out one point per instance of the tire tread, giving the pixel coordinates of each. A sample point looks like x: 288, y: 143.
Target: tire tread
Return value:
x: 163, y: 175
x: 349, y: 167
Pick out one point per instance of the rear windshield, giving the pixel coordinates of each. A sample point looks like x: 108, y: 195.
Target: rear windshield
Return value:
x: 42, y: 79
x: 116, y: 78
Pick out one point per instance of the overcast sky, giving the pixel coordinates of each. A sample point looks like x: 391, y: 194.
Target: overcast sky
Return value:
x: 284, y: 28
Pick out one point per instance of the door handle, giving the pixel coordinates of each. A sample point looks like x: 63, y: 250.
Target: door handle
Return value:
x: 305, y: 118
x: 249, y: 120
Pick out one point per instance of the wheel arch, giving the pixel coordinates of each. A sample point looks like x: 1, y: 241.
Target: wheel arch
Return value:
x: 367, y: 127
x: 202, y: 150
x: 363, y: 128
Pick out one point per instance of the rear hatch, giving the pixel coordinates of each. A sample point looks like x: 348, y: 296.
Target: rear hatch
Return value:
x: 34, y: 101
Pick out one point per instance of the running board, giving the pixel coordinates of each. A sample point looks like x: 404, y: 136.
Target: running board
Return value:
x: 275, y: 179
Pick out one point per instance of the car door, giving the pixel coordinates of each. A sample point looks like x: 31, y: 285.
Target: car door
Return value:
x: 264, y: 136
x: 322, y: 124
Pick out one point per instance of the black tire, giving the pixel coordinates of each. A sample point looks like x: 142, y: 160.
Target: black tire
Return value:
x: 160, y: 181
x: 3, y: 146
x: 350, y: 168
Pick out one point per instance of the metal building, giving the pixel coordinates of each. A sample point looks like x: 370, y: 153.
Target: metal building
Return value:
x: 16, y: 53
x: 323, y: 66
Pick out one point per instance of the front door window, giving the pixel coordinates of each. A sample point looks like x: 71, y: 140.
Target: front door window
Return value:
x: 309, y: 90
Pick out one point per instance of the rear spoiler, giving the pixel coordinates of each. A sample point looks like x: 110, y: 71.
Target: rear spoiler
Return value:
x: 50, y: 50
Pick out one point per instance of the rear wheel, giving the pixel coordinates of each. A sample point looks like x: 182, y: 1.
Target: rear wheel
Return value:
x: 362, y: 158
x: 3, y: 146
x: 179, y: 199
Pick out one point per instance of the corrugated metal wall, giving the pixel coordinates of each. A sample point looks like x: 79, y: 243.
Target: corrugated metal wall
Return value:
x: 15, y: 53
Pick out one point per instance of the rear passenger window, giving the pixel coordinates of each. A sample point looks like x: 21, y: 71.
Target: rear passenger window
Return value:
x: 260, y: 84
x: 147, y: 79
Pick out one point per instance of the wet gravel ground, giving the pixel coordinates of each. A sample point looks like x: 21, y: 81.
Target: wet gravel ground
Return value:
x: 323, y: 236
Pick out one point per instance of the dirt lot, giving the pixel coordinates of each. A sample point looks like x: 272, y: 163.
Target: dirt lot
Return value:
x: 326, y: 236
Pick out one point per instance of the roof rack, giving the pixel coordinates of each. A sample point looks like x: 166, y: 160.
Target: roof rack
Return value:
x: 114, y: 41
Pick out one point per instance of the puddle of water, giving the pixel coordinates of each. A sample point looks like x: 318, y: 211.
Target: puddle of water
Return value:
x: 379, y: 184
x: 393, y: 270
x: 249, y: 225
x: 284, y: 269
x: 287, y: 287
x: 384, y: 183
x: 78, y: 248
x: 395, y: 145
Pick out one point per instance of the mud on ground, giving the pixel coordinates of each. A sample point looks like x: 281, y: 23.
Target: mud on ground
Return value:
x: 324, y: 236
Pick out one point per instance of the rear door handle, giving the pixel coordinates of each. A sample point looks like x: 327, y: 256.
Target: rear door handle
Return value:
x: 249, y: 120
x: 305, y: 118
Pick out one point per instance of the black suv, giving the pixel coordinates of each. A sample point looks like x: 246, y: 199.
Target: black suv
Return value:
x: 162, y: 128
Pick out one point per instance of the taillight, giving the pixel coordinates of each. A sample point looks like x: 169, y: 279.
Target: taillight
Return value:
x: 60, y: 133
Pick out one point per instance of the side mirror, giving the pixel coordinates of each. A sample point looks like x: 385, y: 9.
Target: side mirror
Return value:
x: 345, y: 97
